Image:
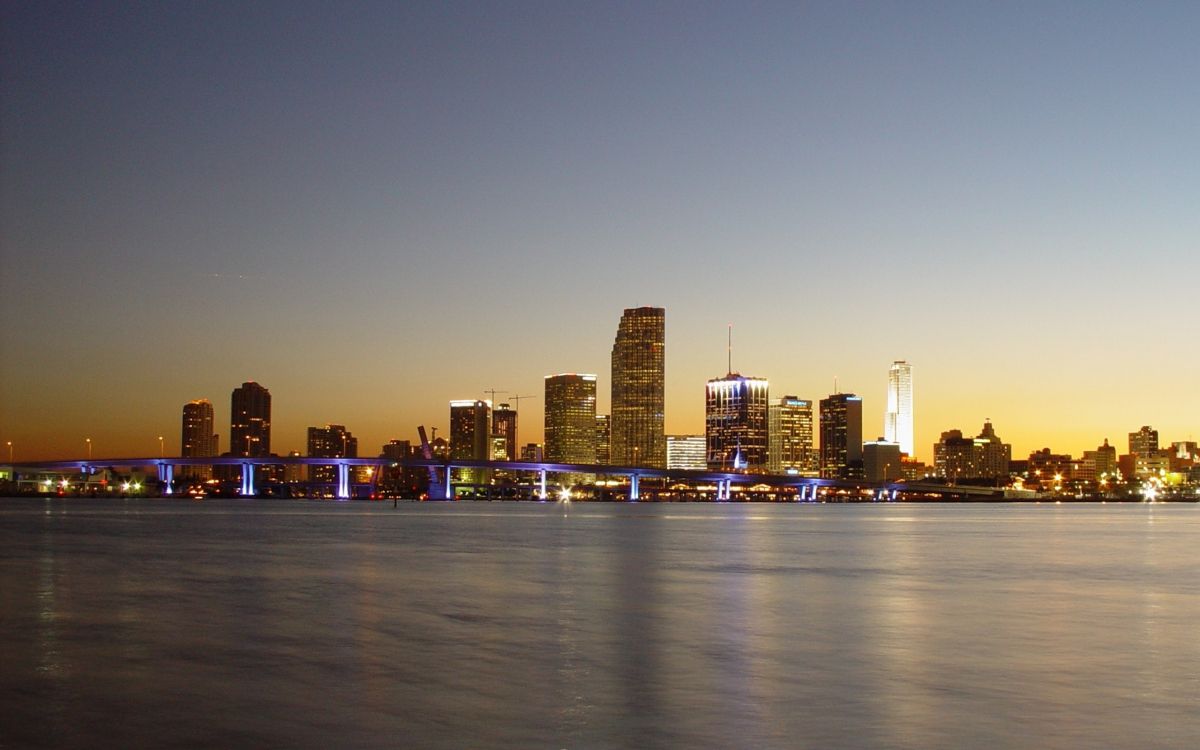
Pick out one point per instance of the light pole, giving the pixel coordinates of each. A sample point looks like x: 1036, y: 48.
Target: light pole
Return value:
x: 89, y: 448
x: 10, y: 453
x: 162, y: 452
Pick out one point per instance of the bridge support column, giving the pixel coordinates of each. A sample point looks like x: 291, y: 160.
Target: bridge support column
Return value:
x: 803, y: 493
x: 449, y: 488
x: 247, y: 480
x: 894, y: 494
x: 166, y: 476
x: 634, y: 494
x: 542, y: 484
x: 343, y: 486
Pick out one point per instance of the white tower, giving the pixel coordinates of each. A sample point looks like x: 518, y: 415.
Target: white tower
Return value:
x: 898, y: 421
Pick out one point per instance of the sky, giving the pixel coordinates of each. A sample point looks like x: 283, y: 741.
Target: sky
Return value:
x: 375, y: 208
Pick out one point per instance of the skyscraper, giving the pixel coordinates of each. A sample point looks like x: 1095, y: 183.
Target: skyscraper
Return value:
x: 841, y: 436
x: 735, y: 423
x: 570, y: 419
x: 330, y: 441
x: 638, y: 436
x: 603, y: 439
x: 790, y: 441
x: 250, y: 421
x: 198, y: 439
x: 898, y: 420
x: 504, y: 424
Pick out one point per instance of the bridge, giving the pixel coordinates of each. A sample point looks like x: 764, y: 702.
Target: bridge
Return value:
x: 806, y: 488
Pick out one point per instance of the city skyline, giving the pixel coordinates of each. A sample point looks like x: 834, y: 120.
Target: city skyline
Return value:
x: 193, y: 199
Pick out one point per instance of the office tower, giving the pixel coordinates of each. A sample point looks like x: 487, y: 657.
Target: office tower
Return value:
x: 898, y: 420
x: 841, y: 436
x: 570, y: 419
x: 469, y: 432
x: 1100, y: 464
x: 198, y: 439
x: 687, y: 452
x: 735, y: 423
x: 603, y: 439
x: 532, y: 453
x: 881, y: 461
x: 790, y: 442
x: 1144, y: 442
x: 637, y: 426
x: 504, y: 424
x: 293, y: 473
x: 960, y: 458
x: 330, y: 441
x: 250, y: 421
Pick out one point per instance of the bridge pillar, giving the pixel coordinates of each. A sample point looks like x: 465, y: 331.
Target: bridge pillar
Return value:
x: 634, y: 494
x: 449, y: 487
x: 803, y: 492
x: 166, y: 475
x: 894, y: 493
x: 542, y: 484
x: 343, y: 486
x: 247, y: 480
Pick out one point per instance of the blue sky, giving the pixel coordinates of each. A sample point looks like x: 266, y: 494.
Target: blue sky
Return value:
x: 375, y: 208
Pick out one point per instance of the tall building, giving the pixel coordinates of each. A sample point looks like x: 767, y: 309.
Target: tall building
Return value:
x: 1144, y: 442
x: 250, y: 421
x: 469, y: 433
x: 841, y: 436
x: 959, y: 458
x: 570, y: 419
x: 504, y: 424
x: 686, y: 452
x: 330, y: 441
x: 638, y: 436
x: 735, y: 423
x: 1101, y: 464
x: 199, y: 440
x: 603, y: 439
x: 790, y: 431
x: 898, y: 420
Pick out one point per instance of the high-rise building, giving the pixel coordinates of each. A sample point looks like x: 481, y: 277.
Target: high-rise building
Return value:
x: 898, y: 420
x: 881, y: 461
x: 330, y: 441
x: 469, y: 433
x: 735, y: 423
x: 570, y: 418
x: 841, y: 436
x: 250, y: 421
x: 686, y: 452
x: 960, y: 458
x: 603, y: 439
x: 790, y: 430
x: 638, y: 436
x: 1101, y: 464
x: 199, y: 440
x: 532, y: 452
x: 504, y: 424
x: 1144, y: 442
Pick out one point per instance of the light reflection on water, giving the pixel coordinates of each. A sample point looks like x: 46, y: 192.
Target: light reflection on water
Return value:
x: 172, y: 624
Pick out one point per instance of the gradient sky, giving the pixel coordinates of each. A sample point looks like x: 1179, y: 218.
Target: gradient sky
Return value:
x: 375, y: 208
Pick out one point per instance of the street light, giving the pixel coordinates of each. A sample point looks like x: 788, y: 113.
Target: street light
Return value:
x: 10, y: 453
x: 162, y: 453
x: 89, y: 447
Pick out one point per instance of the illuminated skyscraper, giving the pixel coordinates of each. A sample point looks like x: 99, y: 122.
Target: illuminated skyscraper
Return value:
x: 841, y: 436
x: 330, y: 441
x: 790, y: 430
x: 686, y: 452
x: 638, y: 435
x: 570, y: 419
x: 603, y: 439
x: 198, y: 440
x: 469, y: 432
x: 504, y: 424
x: 250, y: 421
x: 735, y: 423
x: 898, y: 420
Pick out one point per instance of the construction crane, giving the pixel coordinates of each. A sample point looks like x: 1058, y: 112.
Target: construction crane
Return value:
x: 493, y: 392
x: 517, y: 399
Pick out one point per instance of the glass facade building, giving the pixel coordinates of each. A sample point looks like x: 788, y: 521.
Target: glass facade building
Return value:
x: 898, y: 419
x: 790, y: 426
x: 637, y: 427
x: 735, y: 423
x: 570, y: 419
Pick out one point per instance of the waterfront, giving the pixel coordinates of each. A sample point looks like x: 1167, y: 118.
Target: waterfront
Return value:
x: 305, y: 624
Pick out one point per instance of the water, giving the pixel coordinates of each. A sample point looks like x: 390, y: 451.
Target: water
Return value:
x: 300, y: 624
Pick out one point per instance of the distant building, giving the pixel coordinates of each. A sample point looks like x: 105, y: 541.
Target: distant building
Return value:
x: 498, y: 448
x: 982, y: 458
x: 686, y: 452
x: 570, y: 420
x: 1100, y: 464
x: 330, y: 441
x: 250, y: 421
x: 882, y: 461
x: 1144, y: 442
x: 841, y: 436
x: 504, y: 424
x: 293, y: 473
x: 790, y: 437
x: 735, y: 423
x: 898, y: 419
x: 198, y: 440
x: 603, y: 439
x: 1047, y: 467
x: 638, y: 387
x: 532, y: 453
x: 469, y: 432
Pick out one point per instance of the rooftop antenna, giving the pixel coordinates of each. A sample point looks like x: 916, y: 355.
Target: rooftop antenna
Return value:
x: 729, y: 351
x: 835, y: 386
